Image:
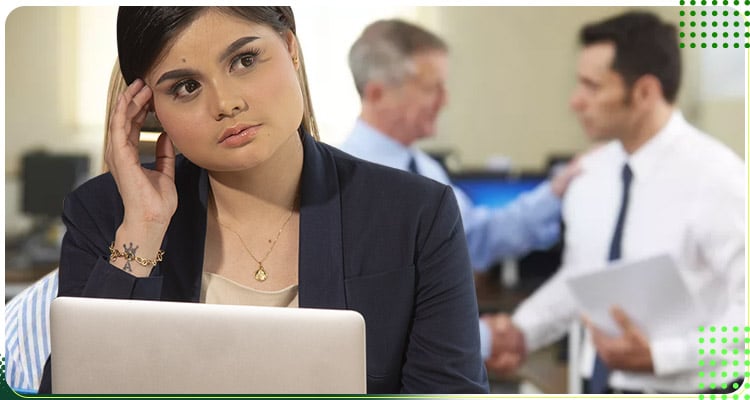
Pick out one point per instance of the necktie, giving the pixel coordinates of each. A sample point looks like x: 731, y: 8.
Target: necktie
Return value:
x: 600, y: 376
x: 412, y: 166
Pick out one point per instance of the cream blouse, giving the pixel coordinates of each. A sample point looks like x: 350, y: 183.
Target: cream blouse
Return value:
x: 216, y: 289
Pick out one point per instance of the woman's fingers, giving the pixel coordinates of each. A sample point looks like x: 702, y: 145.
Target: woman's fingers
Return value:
x: 165, y: 155
x: 130, y: 111
x: 125, y: 125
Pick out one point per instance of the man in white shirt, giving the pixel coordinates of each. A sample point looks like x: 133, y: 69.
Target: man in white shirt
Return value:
x: 659, y: 187
x: 400, y: 71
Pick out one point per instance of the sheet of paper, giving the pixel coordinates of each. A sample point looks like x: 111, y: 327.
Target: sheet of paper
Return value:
x: 650, y: 291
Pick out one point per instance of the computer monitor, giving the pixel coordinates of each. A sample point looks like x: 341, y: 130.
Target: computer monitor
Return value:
x: 48, y: 178
x: 496, y: 190
x: 492, y: 189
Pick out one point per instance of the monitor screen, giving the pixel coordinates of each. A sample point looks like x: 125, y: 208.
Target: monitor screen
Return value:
x: 48, y: 178
x: 495, y: 190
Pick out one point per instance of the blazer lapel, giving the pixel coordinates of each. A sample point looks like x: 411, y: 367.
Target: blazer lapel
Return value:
x: 186, y: 237
x: 321, y: 265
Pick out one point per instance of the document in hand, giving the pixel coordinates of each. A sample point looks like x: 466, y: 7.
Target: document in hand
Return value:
x: 650, y: 291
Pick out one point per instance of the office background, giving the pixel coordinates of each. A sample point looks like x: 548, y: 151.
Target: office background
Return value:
x: 512, y: 70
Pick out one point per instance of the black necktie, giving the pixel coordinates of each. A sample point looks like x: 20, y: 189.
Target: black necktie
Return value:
x: 412, y: 167
x: 600, y: 376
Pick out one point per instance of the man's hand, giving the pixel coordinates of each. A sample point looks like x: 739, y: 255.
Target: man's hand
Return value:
x: 628, y: 352
x: 508, y: 345
x: 562, y: 177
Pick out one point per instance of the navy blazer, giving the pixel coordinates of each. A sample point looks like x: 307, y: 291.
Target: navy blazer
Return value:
x: 385, y: 243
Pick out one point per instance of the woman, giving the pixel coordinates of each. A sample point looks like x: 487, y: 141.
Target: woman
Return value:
x: 256, y: 211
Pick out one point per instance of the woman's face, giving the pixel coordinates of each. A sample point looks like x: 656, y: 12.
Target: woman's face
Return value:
x: 226, y: 91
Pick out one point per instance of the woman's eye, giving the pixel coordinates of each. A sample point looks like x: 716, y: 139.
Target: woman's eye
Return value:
x: 243, y: 61
x: 185, y: 88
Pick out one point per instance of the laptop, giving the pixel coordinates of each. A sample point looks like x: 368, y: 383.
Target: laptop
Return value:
x: 106, y: 346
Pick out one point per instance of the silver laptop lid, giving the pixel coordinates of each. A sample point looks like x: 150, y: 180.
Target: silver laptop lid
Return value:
x: 137, y: 346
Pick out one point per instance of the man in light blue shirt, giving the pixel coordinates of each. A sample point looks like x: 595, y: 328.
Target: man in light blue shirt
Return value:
x: 400, y: 71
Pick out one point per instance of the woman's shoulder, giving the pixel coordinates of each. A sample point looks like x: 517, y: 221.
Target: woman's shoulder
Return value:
x: 372, y: 174
x: 371, y: 186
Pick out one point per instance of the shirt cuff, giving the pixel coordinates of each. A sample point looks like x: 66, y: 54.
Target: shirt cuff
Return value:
x: 673, y: 355
x: 545, y: 201
x: 485, y: 339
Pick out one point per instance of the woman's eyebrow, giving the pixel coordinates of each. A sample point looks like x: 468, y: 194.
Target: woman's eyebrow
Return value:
x: 175, y: 74
x: 236, y: 45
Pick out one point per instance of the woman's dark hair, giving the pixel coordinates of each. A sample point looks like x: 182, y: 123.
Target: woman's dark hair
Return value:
x: 643, y: 45
x: 143, y: 33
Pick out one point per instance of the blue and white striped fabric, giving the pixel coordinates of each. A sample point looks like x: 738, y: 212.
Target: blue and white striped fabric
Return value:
x: 27, y: 341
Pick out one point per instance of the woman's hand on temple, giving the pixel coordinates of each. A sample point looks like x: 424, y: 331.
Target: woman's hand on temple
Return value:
x: 149, y: 196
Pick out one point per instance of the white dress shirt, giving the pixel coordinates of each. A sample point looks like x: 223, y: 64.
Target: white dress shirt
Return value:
x: 687, y: 199
x: 529, y: 223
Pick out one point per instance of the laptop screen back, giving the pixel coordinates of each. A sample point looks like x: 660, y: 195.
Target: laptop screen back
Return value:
x: 136, y: 346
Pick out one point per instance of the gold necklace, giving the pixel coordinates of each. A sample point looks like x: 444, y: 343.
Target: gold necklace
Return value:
x: 260, y: 274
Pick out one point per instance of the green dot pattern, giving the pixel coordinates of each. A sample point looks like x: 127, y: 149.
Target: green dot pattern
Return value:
x: 720, y: 359
x: 715, y: 24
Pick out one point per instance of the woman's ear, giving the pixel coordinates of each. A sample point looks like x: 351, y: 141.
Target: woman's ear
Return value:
x: 291, y: 45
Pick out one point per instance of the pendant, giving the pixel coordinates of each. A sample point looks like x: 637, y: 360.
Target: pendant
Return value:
x: 260, y: 274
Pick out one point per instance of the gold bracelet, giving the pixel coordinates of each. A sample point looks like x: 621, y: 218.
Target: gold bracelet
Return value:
x: 129, y: 255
